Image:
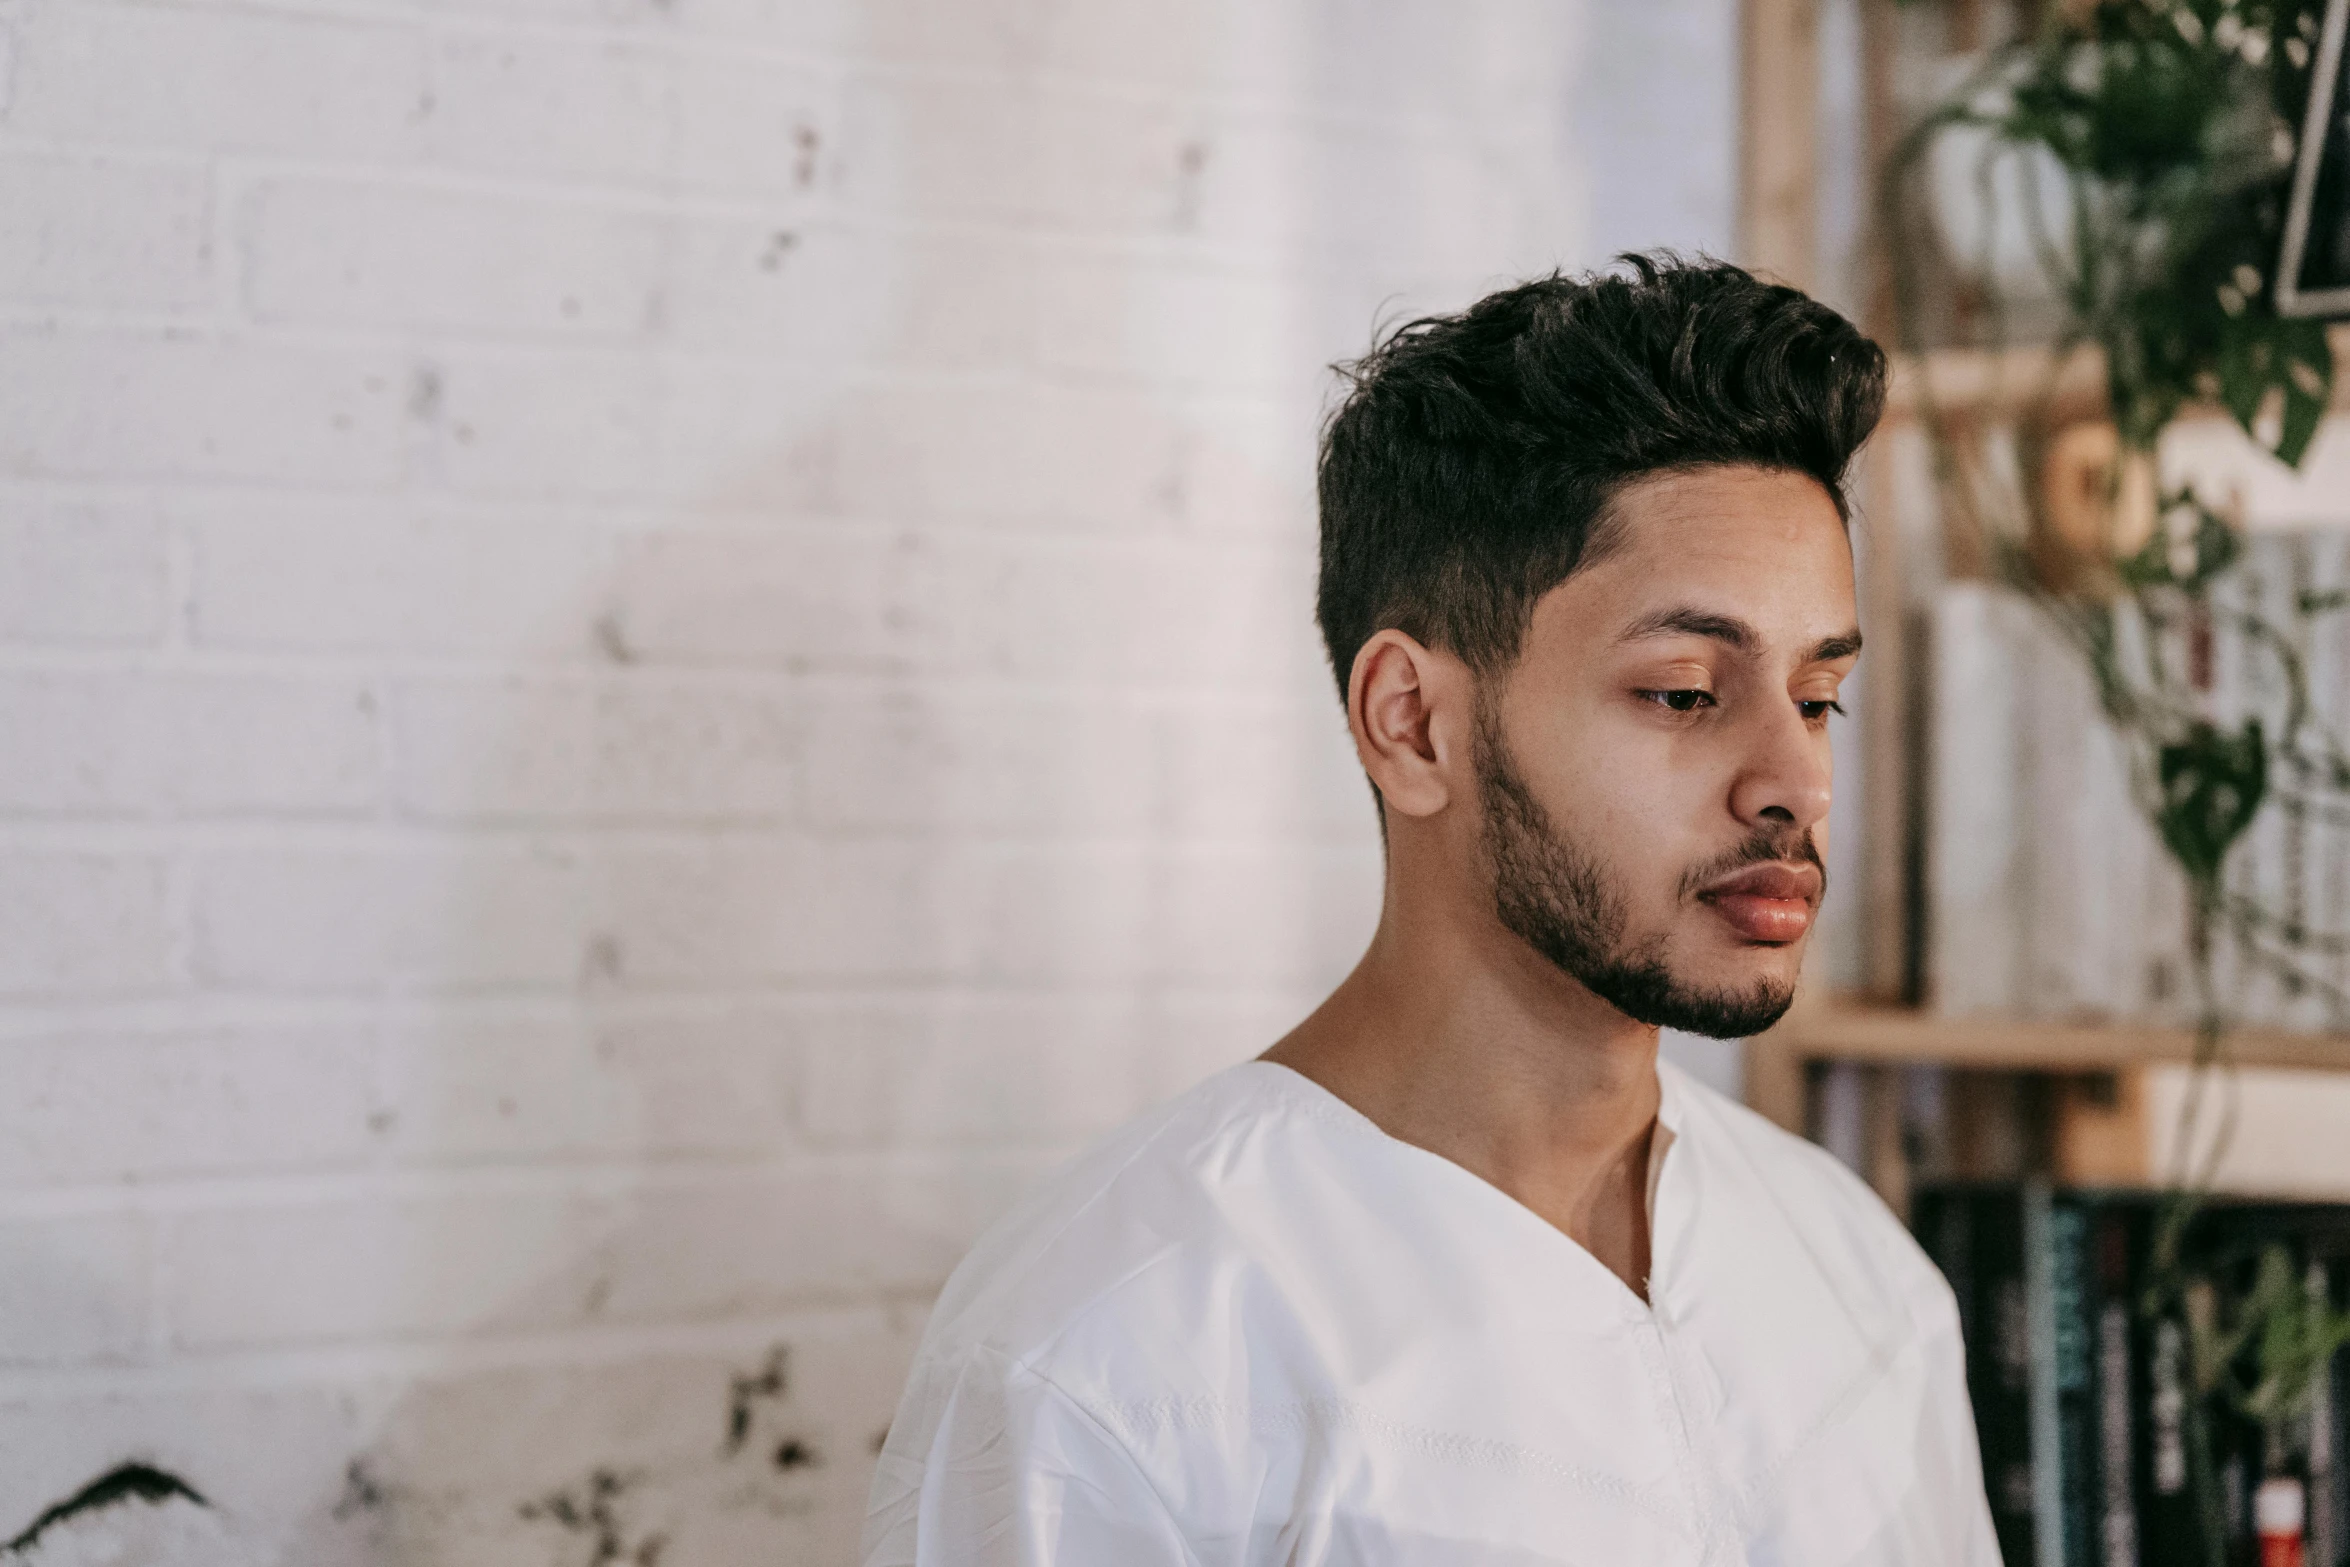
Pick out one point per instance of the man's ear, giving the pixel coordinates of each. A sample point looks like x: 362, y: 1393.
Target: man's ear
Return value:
x: 1409, y: 708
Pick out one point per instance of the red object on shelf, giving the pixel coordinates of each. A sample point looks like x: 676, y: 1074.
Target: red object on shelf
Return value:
x: 2279, y: 1509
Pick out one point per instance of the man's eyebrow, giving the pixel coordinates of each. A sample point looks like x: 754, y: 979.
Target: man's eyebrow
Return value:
x: 1687, y: 622
x: 1836, y: 647
x: 1684, y: 621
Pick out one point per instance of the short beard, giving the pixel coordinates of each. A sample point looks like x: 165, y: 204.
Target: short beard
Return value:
x: 1559, y: 901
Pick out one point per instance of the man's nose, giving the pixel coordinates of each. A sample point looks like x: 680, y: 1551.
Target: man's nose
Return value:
x: 1786, y: 781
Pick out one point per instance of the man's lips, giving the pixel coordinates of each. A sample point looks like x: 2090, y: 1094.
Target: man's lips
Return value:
x: 1771, y: 902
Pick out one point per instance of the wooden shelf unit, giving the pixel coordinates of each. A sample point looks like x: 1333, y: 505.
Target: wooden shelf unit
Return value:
x: 1857, y: 1031
x: 2095, y: 1097
x: 1779, y: 234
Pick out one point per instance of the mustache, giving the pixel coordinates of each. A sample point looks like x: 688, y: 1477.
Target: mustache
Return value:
x: 1765, y: 846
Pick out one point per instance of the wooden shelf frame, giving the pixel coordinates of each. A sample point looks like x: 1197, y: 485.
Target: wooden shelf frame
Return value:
x: 1856, y: 1031
x: 1847, y: 1032
x: 1778, y: 233
x: 2002, y: 380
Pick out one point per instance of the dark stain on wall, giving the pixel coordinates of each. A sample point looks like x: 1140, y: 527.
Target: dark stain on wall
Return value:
x: 591, y: 1510
x: 745, y: 1392
x: 1191, y: 163
x: 425, y: 391
x: 362, y: 1492
x: 796, y: 1454
x: 611, y: 638
x: 132, y: 1482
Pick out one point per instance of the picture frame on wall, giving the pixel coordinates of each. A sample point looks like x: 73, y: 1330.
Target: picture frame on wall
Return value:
x: 2313, y: 273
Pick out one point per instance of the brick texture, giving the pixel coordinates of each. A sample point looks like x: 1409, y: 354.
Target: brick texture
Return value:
x: 650, y: 651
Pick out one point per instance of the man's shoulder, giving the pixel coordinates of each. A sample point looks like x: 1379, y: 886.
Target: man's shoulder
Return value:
x: 1133, y: 1225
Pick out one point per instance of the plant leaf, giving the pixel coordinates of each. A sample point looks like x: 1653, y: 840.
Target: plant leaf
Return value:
x: 2212, y: 786
x: 2308, y: 381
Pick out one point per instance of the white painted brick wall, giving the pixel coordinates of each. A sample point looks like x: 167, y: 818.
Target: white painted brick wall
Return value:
x: 105, y: 231
x: 650, y: 651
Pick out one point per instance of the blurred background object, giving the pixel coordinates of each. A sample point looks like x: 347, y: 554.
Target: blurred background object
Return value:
x: 650, y: 651
x: 2105, y: 1010
x: 2102, y: 527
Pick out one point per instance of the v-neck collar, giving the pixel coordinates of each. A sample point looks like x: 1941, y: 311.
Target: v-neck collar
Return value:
x: 1303, y: 1090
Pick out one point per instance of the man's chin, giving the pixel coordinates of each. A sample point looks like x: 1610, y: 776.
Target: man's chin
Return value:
x: 1656, y: 995
x: 1726, y: 1015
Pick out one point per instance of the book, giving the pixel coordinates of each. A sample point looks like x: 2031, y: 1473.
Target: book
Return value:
x: 1976, y: 933
x: 2049, y: 891
x: 2328, y: 674
x: 2098, y: 1450
x: 1976, y: 1236
x: 2116, y: 1247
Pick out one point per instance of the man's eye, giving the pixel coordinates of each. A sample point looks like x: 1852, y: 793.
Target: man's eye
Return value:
x: 1687, y: 701
x: 1813, y: 712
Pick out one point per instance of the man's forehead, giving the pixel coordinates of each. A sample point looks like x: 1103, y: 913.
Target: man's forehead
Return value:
x: 1747, y: 558
x: 1725, y: 525
x: 1688, y: 517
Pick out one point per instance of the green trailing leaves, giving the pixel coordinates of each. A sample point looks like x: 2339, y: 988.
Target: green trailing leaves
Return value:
x: 2173, y: 122
x: 2264, y: 356
x: 2296, y: 1331
x: 2187, y: 558
x: 2171, y: 126
x: 2212, y: 784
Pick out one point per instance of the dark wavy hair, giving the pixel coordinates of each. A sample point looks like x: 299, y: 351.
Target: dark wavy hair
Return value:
x: 1470, y: 468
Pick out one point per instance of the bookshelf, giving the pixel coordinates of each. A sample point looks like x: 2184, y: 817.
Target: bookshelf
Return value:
x: 1860, y: 1032
x: 1882, y: 1075
x: 1780, y: 173
x: 1865, y: 1028
x: 1845, y: 1029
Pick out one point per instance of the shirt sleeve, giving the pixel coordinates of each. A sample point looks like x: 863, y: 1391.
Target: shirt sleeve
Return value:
x: 991, y: 1465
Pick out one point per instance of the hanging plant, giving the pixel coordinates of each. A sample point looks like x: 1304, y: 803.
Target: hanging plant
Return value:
x: 2140, y: 153
x: 2170, y: 125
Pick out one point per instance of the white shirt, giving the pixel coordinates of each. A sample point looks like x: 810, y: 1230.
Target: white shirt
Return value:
x: 1254, y: 1329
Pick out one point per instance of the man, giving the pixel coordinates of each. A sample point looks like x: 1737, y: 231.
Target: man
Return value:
x: 1458, y: 1273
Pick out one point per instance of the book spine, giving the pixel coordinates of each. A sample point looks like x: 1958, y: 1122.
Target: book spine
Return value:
x: 2115, y: 1250
x: 1943, y: 1222
x: 2105, y: 900
x: 2059, y: 873
x: 2003, y: 1377
x: 2072, y: 1316
x: 2324, y: 1533
x: 2251, y: 684
x: 2160, y: 987
x: 2272, y: 872
x: 1974, y: 822
x: 2330, y: 1500
x: 2131, y: 917
x: 2044, y: 1439
x: 2251, y: 865
x: 2328, y: 847
x: 2305, y: 1005
x: 2171, y: 1524
x: 2217, y: 678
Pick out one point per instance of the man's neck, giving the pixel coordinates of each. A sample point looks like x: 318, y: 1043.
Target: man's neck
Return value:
x: 1480, y: 1051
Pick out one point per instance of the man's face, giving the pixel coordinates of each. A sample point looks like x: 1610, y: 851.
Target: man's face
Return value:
x: 1654, y: 769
